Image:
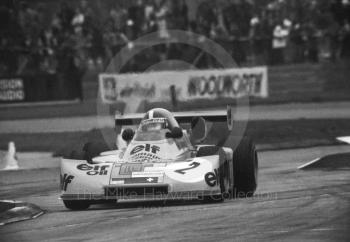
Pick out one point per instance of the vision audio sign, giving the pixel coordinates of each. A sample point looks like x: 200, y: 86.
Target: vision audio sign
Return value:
x: 40, y: 87
x: 12, y: 89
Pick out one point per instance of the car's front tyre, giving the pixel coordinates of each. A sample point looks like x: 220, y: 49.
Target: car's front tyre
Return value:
x: 245, y: 169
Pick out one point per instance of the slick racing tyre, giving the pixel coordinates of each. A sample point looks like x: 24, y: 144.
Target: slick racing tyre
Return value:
x: 245, y: 169
x: 93, y: 149
x: 76, y: 205
x: 207, y: 150
x: 89, y: 151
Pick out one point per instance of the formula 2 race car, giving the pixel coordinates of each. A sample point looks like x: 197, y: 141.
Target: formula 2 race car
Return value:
x: 160, y: 160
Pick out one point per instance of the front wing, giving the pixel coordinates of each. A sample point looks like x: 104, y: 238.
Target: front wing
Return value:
x: 140, y: 181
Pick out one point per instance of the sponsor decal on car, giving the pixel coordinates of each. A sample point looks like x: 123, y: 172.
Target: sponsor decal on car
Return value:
x: 65, y: 180
x: 93, y: 169
x: 117, y: 181
x: 191, y: 166
x: 147, y: 174
x: 127, y: 169
x: 146, y: 152
x: 147, y: 147
x: 212, y: 178
x: 188, y: 171
x: 141, y: 180
x: 154, y: 120
x: 144, y: 156
x: 136, y: 180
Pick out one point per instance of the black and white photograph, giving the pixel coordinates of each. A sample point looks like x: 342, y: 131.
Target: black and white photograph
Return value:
x: 175, y: 120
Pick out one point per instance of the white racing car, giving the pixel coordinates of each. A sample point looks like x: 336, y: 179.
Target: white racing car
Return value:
x: 160, y: 160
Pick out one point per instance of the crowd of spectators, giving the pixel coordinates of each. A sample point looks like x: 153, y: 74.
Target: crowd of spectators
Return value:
x: 41, y: 36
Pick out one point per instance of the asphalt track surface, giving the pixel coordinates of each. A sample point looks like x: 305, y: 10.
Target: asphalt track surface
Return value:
x: 290, y: 205
x: 267, y: 112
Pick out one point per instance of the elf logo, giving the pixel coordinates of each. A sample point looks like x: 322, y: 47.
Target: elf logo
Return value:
x: 212, y: 178
x: 147, y: 147
x: 93, y: 170
x: 65, y: 180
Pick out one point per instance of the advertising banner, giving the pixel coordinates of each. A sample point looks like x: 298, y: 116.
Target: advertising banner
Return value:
x: 37, y: 88
x: 11, y: 90
x: 189, y: 85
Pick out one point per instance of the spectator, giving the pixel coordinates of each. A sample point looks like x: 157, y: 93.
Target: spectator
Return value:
x: 119, y: 17
x: 9, y: 38
x: 78, y: 20
x: 244, y: 17
x: 178, y: 16
x: 205, y: 17
x: 219, y: 31
x: 66, y: 15
x: 345, y: 47
x: 337, y: 10
x: 150, y: 18
x: 69, y: 66
x: 56, y: 24
x: 113, y: 40
x: 85, y: 8
x: 237, y: 19
x: 238, y: 25
x: 96, y: 51
x: 312, y: 42
x: 29, y: 22
x: 48, y: 45
x: 334, y: 33
x: 279, y: 43
x: 298, y: 43
x: 336, y: 28
x: 136, y: 18
x: 259, y: 38
x: 90, y: 21
x: 161, y: 15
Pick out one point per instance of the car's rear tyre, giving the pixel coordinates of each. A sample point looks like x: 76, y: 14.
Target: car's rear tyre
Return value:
x: 245, y: 169
x: 94, y: 149
x: 89, y: 151
x: 207, y: 150
x: 76, y: 205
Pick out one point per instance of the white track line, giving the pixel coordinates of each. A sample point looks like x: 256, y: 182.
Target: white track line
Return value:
x: 345, y: 139
x: 308, y: 163
x: 37, y: 215
x: 323, y: 229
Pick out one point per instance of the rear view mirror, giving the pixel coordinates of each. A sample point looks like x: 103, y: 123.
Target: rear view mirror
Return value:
x: 198, y: 130
x: 128, y: 134
x: 175, y: 133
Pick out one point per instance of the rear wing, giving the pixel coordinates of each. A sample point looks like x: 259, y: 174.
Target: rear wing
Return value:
x: 181, y: 117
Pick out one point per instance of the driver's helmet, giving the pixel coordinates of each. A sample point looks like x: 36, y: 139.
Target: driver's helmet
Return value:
x: 158, y: 119
x: 154, y: 124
